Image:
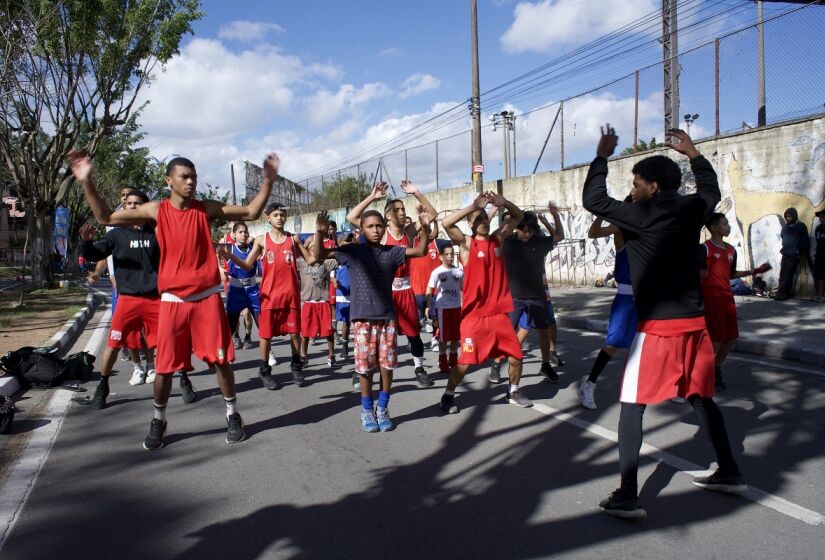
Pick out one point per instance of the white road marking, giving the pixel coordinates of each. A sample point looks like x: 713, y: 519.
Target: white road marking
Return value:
x: 23, y: 474
x: 782, y: 367
x: 691, y: 469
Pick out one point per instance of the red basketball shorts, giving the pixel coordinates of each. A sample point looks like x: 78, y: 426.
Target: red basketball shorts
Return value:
x: 134, y: 315
x: 449, y: 324
x: 491, y: 336
x: 406, y: 312
x: 316, y: 319
x: 665, y: 362
x: 193, y: 327
x: 720, y: 316
x: 279, y: 322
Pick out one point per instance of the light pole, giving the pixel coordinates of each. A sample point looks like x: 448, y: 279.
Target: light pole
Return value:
x: 507, y: 121
x: 689, y: 120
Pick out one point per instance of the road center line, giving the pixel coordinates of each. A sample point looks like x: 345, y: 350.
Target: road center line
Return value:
x: 23, y: 474
x: 691, y: 469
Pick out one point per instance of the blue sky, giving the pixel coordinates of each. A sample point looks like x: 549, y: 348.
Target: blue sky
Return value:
x: 324, y: 81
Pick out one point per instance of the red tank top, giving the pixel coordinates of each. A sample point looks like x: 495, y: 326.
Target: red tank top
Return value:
x: 187, y: 259
x: 402, y: 271
x: 486, y: 290
x: 719, y: 261
x: 422, y: 267
x: 280, y: 286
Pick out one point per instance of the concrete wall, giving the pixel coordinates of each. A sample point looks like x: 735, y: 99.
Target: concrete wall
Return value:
x: 761, y: 173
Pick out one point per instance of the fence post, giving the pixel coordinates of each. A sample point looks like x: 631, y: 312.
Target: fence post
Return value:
x: 562, y: 134
x: 436, y: 165
x: 636, y: 113
x: 716, y: 83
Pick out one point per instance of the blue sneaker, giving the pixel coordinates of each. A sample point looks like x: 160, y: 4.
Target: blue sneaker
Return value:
x: 384, y: 420
x: 368, y: 421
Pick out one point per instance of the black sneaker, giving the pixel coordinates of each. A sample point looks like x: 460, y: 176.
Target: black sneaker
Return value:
x: 154, y: 440
x: 623, y: 504
x: 269, y: 382
x: 549, y: 373
x: 238, y: 344
x: 297, y: 373
x: 719, y: 383
x: 422, y: 377
x: 99, y: 399
x: 234, y: 428
x: 495, y: 373
x: 730, y: 484
x: 448, y: 405
x: 187, y: 392
x: 247, y: 344
x: 555, y: 360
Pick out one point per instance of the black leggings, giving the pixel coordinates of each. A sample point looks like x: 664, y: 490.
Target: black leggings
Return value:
x: 235, y: 317
x: 630, y: 438
x: 416, y: 346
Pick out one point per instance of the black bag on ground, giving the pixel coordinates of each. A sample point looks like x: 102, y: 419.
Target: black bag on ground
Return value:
x: 42, y: 369
x: 7, y: 410
x: 10, y: 363
x: 79, y: 365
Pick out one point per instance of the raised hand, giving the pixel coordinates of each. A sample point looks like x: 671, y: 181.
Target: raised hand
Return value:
x: 272, y: 164
x: 408, y: 187
x: 607, y: 142
x: 681, y: 142
x: 87, y: 232
x: 322, y: 223
x: 80, y: 164
x: 552, y: 208
x: 379, y: 191
x: 496, y: 199
x: 481, y: 201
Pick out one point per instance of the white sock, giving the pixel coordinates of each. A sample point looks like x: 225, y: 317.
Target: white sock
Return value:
x: 449, y: 393
x: 513, y: 387
x: 419, y: 362
x: 160, y: 412
x: 231, y: 405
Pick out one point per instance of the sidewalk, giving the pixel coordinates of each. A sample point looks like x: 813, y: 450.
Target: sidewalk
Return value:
x: 789, y: 330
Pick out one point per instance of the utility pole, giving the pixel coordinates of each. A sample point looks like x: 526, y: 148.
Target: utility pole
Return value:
x: 761, y: 116
x: 475, y: 102
x: 232, y: 172
x: 670, y: 52
x: 506, y: 120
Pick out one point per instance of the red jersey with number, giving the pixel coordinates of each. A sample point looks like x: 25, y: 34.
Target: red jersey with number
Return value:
x: 421, y: 268
x: 187, y: 259
x: 402, y: 271
x: 280, y: 284
x: 720, y: 262
x: 486, y: 290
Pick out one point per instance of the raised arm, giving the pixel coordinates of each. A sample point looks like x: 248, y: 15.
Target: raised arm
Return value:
x: 707, y: 184
x: 251, y: 260
x: 421, y: 250
x: 514, y: 216
x: 599, y: 229
x: 316, y: 251
x: 252, y: 211
x: 378, y: 192
x: 82, y: 168
x: 558, y: 228
x: 450, y: 222
x: 422, y: 203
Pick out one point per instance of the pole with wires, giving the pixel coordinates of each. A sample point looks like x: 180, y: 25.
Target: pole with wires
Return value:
x: 475, y: 101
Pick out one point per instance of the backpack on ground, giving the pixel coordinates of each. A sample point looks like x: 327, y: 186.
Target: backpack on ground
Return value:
x: 79, y: 365
x: 41, y: 369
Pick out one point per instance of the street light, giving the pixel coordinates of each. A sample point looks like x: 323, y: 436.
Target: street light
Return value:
x: 507, y: 121
x: 689, y: 120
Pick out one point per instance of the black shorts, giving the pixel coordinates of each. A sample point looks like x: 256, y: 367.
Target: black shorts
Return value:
x: 536, y: 311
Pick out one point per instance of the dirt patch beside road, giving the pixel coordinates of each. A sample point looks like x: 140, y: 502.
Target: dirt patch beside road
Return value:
x: 42, y: 315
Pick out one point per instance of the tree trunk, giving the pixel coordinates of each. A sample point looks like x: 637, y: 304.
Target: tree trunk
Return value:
x: 39, y: 224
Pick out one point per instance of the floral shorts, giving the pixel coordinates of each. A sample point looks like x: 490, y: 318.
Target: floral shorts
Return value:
x: 374, y: 345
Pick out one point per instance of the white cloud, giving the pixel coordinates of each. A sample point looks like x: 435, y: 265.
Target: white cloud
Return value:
x: 550, y: 24
x: 325, y: 107
x: 419, y: 83
x: 249, y: 31
x: 389, y: 52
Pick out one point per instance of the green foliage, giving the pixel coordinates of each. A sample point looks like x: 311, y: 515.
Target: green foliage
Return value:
x: 340, y: 192
x: 642, y: 146
x: 212, y: 193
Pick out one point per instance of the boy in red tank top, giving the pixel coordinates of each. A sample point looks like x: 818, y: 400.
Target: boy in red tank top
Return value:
x: 399, y: 233
x: 192, y: 318
x: 486, y: 331
x: 718, y: 267
x: 280, y: 291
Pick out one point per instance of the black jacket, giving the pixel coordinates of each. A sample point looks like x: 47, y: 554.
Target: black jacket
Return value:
x: 136, y: 255
x: 661, y: 235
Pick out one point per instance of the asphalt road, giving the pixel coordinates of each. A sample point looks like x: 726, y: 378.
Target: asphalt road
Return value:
x: 494, y: 481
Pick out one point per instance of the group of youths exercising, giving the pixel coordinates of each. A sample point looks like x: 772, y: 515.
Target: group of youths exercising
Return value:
x: 169, y: 285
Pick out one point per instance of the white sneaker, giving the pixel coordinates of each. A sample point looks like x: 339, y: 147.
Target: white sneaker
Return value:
x: 428, y: 327
x: 678, y: 400
x: 150, y: 375
x: 434, y: 345
x: 272, y: 359
x: 138, y: 376
x: 586, y: 390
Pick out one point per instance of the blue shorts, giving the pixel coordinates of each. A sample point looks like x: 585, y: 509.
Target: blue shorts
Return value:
x: 342, y: 312
x: 238, y: 299
x: 421, y: 304
x: 621, y: 327
x: 531, y: 317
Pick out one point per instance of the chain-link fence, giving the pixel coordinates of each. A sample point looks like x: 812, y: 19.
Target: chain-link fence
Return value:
x: 717, y: 89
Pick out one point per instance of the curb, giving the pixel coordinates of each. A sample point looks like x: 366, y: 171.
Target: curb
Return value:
x: 745, y: 344
x: 60, y: 342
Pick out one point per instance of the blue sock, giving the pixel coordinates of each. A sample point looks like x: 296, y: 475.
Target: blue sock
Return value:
x: 383, y: 399
x: 366, y: 403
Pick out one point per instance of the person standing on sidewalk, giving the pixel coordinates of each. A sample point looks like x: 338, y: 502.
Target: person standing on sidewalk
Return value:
x: 621, y: 326
x: 718, y: 261
x: 192, y: 318
x: 136, y: 255
x: 672, y: 355
x: 795, y: 247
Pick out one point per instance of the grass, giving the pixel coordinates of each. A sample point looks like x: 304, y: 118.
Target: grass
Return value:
x: 61, y: 304
x: 12, y: 272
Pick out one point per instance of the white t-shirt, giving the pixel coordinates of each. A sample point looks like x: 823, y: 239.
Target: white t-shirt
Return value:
x: 446, y: 285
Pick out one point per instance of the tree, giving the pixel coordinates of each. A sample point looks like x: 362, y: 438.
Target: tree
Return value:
x: 340, y: 192
x: 641, y: 146
x: 70, y: 78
